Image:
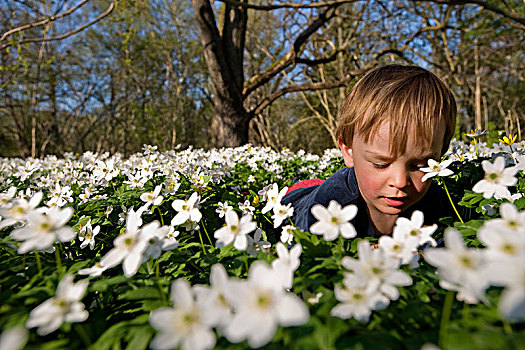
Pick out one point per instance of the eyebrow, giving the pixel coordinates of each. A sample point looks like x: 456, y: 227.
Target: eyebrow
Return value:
x: 381, y: 156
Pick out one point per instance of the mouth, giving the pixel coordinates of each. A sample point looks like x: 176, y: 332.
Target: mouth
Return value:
x: 395, y: 201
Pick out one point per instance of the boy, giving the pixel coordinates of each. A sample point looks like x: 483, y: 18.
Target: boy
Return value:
x: 394, y: 120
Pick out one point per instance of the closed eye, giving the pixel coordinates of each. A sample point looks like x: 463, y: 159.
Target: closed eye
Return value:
x: 381, y: 165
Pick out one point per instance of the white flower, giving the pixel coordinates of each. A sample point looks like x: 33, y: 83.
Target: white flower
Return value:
x: 17, y: 210
x: 14, y: 338
x: 512, y: 277
x: 156, y: 239
x: 273, y: 196
x: 377, y: 265
x: 511, y: 220
x: 460, y: 268
x: 235, y: 231
x: 223, y: 208
x: 255, y: 244
x: 358, y: 298
x: 65, y: 306
x: 43, y: 230
x: 496, y: 180
x: 281, y: 213
x: 400, y: 246
x: 152, y: 198
x: 334, y: 220
x: 287, y: 263
x: 184, y: 324
x: 187, y: 210
x: 260, y: 306
x: 94, y: 271
x: 287, y: 234
x: 437, y: 169
x: 129, y: 247
x: 213, y: 298
x: 246, y: 207
x: 7, y: 197
x: 414, y: 228
x: 87, y: 235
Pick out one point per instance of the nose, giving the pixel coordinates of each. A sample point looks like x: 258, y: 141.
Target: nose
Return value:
x: 399, y: 177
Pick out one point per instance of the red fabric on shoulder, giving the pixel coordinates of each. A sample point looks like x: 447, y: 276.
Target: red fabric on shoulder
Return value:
x: 305, y: 183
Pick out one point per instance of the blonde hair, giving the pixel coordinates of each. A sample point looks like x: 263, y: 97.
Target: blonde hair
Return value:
x: 406, y: 97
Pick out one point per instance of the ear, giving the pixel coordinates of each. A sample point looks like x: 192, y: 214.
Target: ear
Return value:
x: 347, y: 154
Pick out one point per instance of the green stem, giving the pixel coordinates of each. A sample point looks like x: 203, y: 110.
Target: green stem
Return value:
x: 445, y: 318
x: 202, y: 243
x: 206, y: 231
x: 452, y: 202
x: 38, y: 262
x: 59, y: 261
x: 246, y: 261
x: 507, y: 328
x: 82, y: 333
x: 157, y: 278
x: 161, y: 218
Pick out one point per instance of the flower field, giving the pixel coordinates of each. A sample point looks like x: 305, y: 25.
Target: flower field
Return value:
x: 193, y: 249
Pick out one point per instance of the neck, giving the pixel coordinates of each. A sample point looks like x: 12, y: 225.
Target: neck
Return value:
x: 382, y: 223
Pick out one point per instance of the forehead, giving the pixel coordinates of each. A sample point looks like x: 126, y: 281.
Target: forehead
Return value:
x: 382, y: 140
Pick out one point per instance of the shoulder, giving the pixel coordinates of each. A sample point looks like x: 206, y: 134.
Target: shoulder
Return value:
x: 434, y: 205
x: 342, y: 187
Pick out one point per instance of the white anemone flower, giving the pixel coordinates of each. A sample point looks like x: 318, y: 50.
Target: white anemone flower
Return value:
x: 94, y: 271
x: 129, y: 248
x: 65, y: 306
x: 377, y: 265
x: 260, y: 305
x: 273, y: 196
x: 153, y: 197
x: 14, y: 338
x: 87, y: 235
x: 400, y: 246
x: 235, y: 231
x: 334, y: 220
x: 437, y: 169
x: 287, y: 263
x: 187, y: 209
x: 255, y: 244
x: 358, y: 298
x: 512, y: 277
x: 42, y: 230
x: 212, y: 298
x: 497, y: 179
x: 511, y: 220
x: 185, y: 324
x: 223, y: 208
x: 460, y: 268
x: 414, y: 228
x: 281, y: 213
x: 18, y: 209
x: 287, y: 234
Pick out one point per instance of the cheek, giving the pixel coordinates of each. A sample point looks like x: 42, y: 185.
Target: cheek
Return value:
x: 419, y: 186
x: 369, y: 183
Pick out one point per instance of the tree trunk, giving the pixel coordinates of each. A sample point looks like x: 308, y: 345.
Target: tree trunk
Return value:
x: 230, y: 125
x: 223, y: 51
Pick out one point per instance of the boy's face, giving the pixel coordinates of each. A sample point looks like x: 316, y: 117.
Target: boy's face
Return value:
x: 389, y: 184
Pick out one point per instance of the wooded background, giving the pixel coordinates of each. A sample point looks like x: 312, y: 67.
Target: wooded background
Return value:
x: 101, y: 75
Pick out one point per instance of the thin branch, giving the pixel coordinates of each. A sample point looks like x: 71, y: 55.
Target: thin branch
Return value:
x: 288, y: 5
x: 68, y: 34
x: 42, y: 22
x: 268, y: 100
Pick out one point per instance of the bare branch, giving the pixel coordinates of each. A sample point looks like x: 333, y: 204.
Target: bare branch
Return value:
x: 288, y: 5
x: 511, y: 14
x: 268, y: 100
x: 42, y: 22
x: 258, y: 80
x: 68, y: 34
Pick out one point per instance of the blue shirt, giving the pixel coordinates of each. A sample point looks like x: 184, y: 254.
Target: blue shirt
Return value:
x: 342, y: 187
